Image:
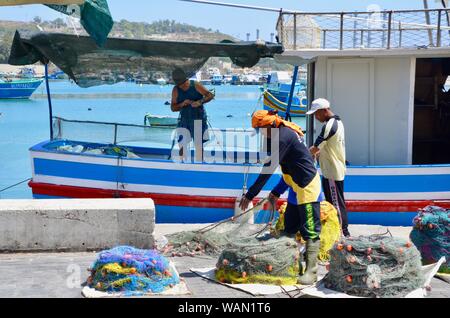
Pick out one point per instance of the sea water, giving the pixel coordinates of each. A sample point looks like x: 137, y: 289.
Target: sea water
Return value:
x: 24, y: 123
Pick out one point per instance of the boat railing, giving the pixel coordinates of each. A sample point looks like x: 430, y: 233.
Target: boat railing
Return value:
x: 364, y: 30
x: 237, y: 139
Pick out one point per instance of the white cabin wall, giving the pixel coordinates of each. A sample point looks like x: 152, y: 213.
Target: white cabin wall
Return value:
x: 380, y: 131
x: 394, y: 99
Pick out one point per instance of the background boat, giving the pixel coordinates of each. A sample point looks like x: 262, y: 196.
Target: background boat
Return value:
x: 160, y: 121
x: 22, y: 88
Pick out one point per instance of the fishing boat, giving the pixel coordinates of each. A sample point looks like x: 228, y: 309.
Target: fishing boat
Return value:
x: 382, y: 187
x: 160, y: 121
x: 276, y: 95
x: 18, y: 88
x: 185, y: 192
x: 217, y: 79
x: 271, y: 102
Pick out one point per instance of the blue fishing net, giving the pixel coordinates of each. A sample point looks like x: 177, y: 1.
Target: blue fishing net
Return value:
x: 431, y: 235
x: 132, y: 271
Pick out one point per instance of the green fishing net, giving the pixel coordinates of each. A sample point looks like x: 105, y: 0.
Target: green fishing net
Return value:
x: 247, y: 253
x: 374, y: 266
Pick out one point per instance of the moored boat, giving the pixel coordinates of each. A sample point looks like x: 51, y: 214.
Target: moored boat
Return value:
x: 18, y: 88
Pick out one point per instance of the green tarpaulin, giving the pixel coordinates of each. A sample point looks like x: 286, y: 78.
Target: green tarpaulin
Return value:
x: 128, y: 59
x: 94, y: 17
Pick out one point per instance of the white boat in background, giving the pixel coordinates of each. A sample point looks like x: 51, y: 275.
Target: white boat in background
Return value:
x: 160, y: 121
x: 161, y: 81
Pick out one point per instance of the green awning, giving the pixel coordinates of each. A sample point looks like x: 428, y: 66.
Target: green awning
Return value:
x: 94, y: 17
x: 128, y: 59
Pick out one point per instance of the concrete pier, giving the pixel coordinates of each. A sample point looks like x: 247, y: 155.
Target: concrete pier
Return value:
x: 75, y: 224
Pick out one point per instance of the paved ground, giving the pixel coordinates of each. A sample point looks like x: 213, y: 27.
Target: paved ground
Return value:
x: 62, y: 274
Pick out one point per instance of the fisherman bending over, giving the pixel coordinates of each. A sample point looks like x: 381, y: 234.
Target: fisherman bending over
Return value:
x: 188, y: 98
x: 299, y: 172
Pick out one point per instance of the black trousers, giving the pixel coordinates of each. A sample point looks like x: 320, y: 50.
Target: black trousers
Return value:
x: 304, y: 218
x: 337, y: 200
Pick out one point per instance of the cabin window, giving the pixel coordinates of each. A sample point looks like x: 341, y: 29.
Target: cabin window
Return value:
x: 431, y: 136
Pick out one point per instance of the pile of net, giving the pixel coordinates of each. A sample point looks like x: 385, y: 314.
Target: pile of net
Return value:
x: 431, y: 235
x: 374, y: 266
x: 330, y: 233
x: 247, y: 252
x: 132, y: 271
x: 266, y: 260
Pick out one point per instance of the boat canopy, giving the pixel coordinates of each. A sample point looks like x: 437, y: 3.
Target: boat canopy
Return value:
x: 128, y: 59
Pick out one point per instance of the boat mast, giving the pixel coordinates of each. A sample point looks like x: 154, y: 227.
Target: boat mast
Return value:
x: 49, y: 98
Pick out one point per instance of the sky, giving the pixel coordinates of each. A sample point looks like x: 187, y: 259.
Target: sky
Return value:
x: 233, y: 21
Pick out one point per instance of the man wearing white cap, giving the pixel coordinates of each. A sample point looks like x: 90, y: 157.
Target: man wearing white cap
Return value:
x: 329, y: 147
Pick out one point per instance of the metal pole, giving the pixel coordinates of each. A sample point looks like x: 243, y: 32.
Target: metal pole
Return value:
x: 383, y: 33
x: 341, y: 40
x: 295, y: 31
x: 355, y: 25
x: 115, y: 134
x: 49, y: 98
x: 324, y: 39
x: 389, y: 30
x: 291, y: 93
x: 400, y: 34
x: 310, y: 96
x: 438, y: 35
x: 427, y: 19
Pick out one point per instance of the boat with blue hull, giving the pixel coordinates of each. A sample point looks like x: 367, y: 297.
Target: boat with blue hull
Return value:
x: 22, y: 88
x: 298, y: 108
x: 276, y: 95
x: 206, y: 192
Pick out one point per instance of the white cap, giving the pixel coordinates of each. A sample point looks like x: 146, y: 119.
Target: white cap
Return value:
x: 320, y: 103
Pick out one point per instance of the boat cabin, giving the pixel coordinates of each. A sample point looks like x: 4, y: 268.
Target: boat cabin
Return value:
x: 384, y: 75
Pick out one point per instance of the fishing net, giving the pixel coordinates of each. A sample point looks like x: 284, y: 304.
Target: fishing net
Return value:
x: 431, y: 235
x: 374, y: 266
x: 247, y: 253
x: 132, y: 271
x: 264, y: 260
x: 330, y: 233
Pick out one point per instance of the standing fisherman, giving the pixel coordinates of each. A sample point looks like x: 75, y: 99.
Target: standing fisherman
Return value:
x: 299, y: 172
x: 188, y: 98
x: 330, y: 148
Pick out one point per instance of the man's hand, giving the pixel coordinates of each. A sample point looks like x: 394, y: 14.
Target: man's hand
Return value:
x: 244, y: 203
x: 314, y: 151
x: 186, y: 102
x: 196, y: 104
x: 273, y: 200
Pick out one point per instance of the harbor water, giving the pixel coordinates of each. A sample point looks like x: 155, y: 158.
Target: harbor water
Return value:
x: 24, y: 123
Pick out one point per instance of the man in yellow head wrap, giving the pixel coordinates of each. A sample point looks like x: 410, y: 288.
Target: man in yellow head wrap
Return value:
x: 300, y: 173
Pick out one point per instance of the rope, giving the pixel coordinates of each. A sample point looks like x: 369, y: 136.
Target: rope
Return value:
x: 214, y: 225
x: 16, y: 184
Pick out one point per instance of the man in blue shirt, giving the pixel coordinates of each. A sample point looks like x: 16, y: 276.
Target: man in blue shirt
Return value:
x: 300, y: 173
